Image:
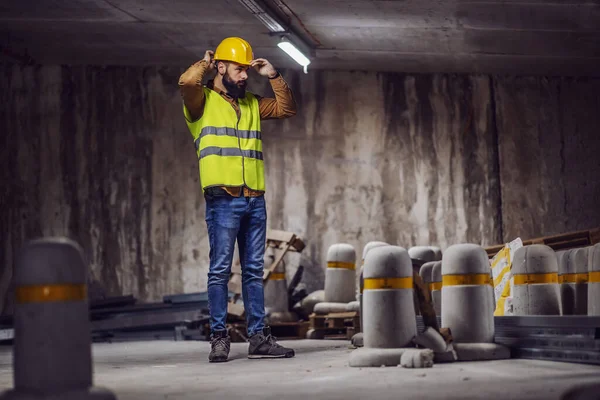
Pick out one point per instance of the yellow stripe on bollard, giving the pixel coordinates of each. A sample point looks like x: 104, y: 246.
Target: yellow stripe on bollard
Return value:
x: 51, y: 293
x: 573, y: 278
x: 340, y: 264
x: 277, y: 276
x: 466, y: 279
x: 436, y: 286
x: 529, y: 279
x: 594, y: 277
x: 388, y: 283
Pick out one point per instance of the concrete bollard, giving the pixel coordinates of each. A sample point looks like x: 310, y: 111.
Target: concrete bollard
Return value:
x: 276, y: 296
x: 423, y: 253
x: 466, y: 295
x: 389, y: 314
x: 357, y: 339
x: 573, y: 277
x: 561, y: 260
x: 594, y: 280
x: 436, y: 287
x: 535, y: 276
x: 425, y: 273
x: 52, y: 356
x: 340, y: 276
x: 467, y: 299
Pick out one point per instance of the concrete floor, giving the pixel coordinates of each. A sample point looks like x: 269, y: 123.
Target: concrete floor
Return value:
x: 180, y: 370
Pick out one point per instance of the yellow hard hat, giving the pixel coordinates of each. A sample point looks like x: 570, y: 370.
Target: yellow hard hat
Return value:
x: 234, y: 49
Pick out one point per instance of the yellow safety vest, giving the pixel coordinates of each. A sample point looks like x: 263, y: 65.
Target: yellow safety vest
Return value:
x: 229, y: 151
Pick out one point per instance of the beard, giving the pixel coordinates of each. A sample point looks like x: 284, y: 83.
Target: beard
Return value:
x: 237, y: 90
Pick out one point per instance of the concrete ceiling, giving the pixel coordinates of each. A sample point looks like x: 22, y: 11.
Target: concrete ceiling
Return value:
x: 560, y: 37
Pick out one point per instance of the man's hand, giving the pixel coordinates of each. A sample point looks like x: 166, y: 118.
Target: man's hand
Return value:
x: 208, y: 58
x: 264, y: 67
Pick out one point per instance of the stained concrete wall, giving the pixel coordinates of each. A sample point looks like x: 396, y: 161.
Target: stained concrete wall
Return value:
x: 103, y: 155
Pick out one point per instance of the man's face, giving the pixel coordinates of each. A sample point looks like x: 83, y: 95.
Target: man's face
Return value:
x: 235, y: 78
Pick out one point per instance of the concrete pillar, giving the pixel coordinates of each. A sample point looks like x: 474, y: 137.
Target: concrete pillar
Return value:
x: 594, y: 280
x: 573, y: 277
x: 468, y: 303
x: 389, y: 314
x: 562, y: 257
x: 423, y: 253
x: 436, y: 287
x: 52, y: 348
x: 425, y: 273
x: 340, y: 276
x: 357, y: 339
x: 535, y: 276
x: 466, y: 295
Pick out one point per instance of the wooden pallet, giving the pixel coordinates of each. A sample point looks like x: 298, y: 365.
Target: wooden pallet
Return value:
x: 282, y: 330
x: 563, y: 241
x: 335, y: 325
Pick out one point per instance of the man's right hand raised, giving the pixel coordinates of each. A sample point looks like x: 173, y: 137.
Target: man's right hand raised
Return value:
x: 208, y: 58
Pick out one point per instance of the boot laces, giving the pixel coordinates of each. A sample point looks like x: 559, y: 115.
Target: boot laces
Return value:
x: 220, y: 344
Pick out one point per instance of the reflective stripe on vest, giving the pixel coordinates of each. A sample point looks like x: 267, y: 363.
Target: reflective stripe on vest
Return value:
x: 229, y: 151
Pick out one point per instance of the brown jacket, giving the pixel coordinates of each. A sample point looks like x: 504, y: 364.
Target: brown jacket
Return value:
x: 282, y: 106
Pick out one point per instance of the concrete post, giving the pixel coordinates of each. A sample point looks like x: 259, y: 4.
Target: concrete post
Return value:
x: 594, y: 281
x: 52, y: 349
x: 423, y: 253
x: 358, y: 339
x: 389, y: 314
x: 468, y: 303
x: 466, y: 294
x: 436, y: 287
x: 535, y: 276
x: 340, y: 276
x: 573, y: 277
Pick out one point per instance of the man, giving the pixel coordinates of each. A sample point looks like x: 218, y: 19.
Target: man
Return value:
x: 224, y: 121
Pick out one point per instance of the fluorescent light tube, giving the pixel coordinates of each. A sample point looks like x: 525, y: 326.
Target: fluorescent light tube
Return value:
x: 296, y: 54
x: 261, y: 13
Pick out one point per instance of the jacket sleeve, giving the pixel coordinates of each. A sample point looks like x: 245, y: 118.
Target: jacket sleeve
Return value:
x: 192, y: 92
x: 282, y: 106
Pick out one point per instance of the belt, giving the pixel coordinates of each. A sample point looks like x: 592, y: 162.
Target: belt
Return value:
x: 232, y: 191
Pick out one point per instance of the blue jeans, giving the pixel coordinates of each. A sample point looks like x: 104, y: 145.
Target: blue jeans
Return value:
x: 243, y: 218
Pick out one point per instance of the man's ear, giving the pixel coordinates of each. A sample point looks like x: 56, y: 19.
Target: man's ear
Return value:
x: 221, y: 67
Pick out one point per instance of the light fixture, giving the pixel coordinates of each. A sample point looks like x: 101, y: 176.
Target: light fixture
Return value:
x: 259, y: 10
x: 279, y: 28
x: 293, y: 52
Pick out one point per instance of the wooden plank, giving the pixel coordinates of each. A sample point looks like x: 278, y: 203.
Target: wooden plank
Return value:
x: 278, y: 259
x: 280, y: 236
x: 276, y: 238
x: 342, y: 315
x: 563, y: 241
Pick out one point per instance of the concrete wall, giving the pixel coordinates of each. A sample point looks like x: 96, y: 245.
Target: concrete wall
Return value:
x: 103, y: 155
